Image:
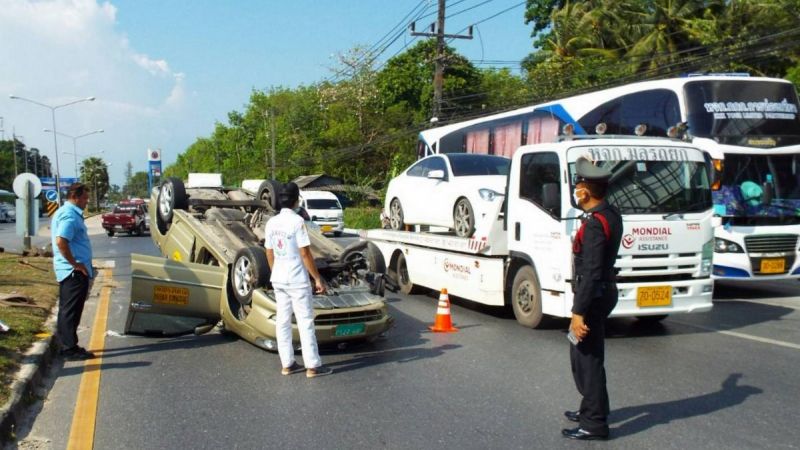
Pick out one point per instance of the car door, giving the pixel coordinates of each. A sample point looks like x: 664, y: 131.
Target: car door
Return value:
x: 173, y: 297
x: 438, y: 196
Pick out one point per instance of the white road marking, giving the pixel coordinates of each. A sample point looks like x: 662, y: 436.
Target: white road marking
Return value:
x: 742, y: 335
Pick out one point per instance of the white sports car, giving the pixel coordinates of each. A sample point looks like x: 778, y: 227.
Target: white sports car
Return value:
x: 443, y: 190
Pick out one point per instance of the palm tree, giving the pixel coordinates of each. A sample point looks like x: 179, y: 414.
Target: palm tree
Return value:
x: 94, y: 173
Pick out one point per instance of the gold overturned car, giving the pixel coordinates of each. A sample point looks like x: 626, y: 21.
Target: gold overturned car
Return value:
x: 214, y: 270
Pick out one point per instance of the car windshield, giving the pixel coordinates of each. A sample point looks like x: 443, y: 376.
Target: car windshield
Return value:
x: 764, y: 188
x: 323, y: 203
x: 673, y: 181
x: 741, y: 112
x: 466, y: 164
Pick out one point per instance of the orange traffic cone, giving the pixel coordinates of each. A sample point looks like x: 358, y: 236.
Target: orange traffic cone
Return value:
x: 443, y: 324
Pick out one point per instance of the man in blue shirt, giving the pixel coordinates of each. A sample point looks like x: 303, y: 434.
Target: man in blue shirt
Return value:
x: 72, y: 260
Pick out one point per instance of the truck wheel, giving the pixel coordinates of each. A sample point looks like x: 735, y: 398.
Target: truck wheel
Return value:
x: 526, y: 298
x: 268, y: 191
x: 463, y: 218
x: 396, y: 215
x: 171, y: 196
x: 248, y: 272
x: 403, y: 279
x: 110, y: 233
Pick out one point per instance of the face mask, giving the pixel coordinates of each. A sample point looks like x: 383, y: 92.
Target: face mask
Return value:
x: 575, y: 197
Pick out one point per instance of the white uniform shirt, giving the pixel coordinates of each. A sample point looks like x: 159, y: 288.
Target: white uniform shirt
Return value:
x: 285, y: 234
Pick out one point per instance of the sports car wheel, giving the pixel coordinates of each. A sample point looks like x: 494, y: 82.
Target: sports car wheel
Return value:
x: 463, y: 218
x: 248, y: 272
x: 171, y: 196
x: 268, y: 192
x: 396, y: 215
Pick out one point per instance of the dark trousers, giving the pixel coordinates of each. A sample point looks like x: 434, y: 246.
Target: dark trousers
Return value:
x: 587, y: 359
x: 72, y: 293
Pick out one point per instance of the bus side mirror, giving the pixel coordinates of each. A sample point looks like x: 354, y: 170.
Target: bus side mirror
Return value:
x: 551, y: 197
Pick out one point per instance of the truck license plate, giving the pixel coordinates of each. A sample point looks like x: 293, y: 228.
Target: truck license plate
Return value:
x: 653, y: 296
x: 773, y: 265
x: 326, y: 228
x: 350, y: 329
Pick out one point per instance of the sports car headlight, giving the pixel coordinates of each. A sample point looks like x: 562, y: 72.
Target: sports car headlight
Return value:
x: 726, y: 246
x: 488, y: 194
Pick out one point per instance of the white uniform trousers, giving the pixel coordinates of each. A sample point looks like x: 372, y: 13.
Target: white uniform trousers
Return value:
x: 299, y: 301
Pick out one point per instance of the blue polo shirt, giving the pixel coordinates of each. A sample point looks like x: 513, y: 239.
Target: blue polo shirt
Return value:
x: 68, y: 223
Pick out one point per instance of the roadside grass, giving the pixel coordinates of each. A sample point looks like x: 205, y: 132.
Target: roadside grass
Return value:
x: 362, y: 218
x: 32, y: 277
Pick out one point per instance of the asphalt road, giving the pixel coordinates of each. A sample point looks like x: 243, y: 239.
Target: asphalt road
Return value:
x: 14, y: 244
x: 723, y: 379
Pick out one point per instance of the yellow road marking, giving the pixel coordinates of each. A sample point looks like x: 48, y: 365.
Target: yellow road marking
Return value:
x: 81, y: 434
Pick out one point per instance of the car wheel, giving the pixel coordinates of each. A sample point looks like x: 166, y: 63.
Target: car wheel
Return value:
x: 110, y: 233
x: 463, y: 218
x: 268, y: 192
x: 171, y: 196
x: 651, y: 319
x: 396, y: 215
x: 337, y: 233
x: 248, y: 272
x: 403, y: 279
x: 526, y: 298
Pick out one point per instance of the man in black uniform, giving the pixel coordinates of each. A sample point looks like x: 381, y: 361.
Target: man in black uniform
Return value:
x: 594, y: 251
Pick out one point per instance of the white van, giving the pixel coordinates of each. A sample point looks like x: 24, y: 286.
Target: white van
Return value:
x: 324, y: 209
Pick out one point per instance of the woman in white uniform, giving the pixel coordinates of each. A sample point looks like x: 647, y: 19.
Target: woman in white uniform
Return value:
x: 290, y: 259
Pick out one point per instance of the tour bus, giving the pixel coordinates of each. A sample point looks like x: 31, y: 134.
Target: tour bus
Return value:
x: 749, y: 125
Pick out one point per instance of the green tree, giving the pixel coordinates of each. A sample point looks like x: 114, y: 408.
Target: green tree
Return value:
x: 94, y: 173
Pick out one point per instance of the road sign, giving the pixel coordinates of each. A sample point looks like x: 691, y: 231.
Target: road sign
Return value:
x: 21, y: 188
x: 51, y: 195
x: 51, y: 208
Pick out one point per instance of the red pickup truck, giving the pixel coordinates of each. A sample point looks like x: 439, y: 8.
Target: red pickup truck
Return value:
x: 128, y: 216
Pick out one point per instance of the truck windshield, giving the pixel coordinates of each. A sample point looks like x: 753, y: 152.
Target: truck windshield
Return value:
x: 657, y: 187
x: 760, y: 114
x: 762, y: 188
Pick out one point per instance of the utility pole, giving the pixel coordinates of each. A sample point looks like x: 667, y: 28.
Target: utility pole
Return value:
x: 14, y: 149
x: 271, y: 114
x: 437, y: 31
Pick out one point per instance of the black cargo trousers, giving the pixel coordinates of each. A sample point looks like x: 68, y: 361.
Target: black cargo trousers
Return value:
x: 588, y: 364
x: 72, y: 293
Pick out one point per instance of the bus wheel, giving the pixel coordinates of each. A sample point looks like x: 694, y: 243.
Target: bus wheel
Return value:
x: 403, y: 279
x: 526, y: 298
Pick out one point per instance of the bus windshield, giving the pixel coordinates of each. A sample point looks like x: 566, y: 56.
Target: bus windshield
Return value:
x: 763, y: 188
x: 661, y: 186
x: 760, y: 114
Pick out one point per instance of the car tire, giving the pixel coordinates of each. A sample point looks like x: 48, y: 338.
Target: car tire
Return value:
x: 463, y: 218
x: 248, y: 272
x: 268, y: 191
x: 337, y: 233
x: 110, y: 233
x: 396, y: 215
x: 171, y: 196
x: 526, y: 298
x: 402, y: 277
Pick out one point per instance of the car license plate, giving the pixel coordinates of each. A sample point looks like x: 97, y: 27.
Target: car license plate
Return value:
x: 350, y: 329
x: 653, y: 296
x: 773, y: 265
x: 117, y: 227
x: 326, y: 228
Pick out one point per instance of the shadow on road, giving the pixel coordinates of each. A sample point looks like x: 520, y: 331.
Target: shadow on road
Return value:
x: 756, y: 291
x: 635, y: 419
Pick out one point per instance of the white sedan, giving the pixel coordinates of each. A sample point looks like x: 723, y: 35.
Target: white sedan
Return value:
x: 442, y: 190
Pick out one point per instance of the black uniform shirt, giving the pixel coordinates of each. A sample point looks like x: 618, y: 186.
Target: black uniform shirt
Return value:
x: 594, y: 252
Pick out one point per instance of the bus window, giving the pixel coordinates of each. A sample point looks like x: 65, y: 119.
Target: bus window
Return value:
x: 542, y: 129
x: 507, y: 139
x: 478, y: 141
x: 656, y: 108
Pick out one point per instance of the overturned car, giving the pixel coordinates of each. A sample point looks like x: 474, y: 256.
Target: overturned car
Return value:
x: 215, y: 271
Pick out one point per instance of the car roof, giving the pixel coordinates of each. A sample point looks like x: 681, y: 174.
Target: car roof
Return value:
x: 317, y: 195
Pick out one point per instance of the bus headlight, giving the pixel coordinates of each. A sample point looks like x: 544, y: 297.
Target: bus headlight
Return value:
x: 726, y: 246
x: 705, y: 261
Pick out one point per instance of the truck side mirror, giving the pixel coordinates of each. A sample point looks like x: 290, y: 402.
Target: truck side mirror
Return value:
x: 551, y: 197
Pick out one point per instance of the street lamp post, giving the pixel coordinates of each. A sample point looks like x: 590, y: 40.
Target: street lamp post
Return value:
x: 55, y: 138
x: 74, y: 144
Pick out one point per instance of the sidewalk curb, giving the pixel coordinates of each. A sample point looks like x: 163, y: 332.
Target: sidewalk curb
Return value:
x: 32, y: 368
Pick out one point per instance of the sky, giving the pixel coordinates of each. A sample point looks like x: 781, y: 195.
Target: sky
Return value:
x: 163, y: 72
